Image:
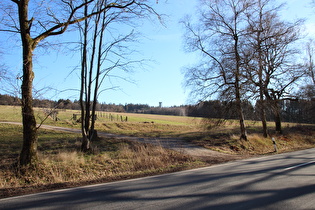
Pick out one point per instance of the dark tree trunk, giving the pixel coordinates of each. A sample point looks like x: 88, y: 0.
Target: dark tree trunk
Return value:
x: 28, y: 154
x: 93, y: 132
x: 85, y: 146
x: 277, y: 118
x: 241, y: 118
x: 238, y: 90
x: 29, y: 150
x: 262, y: 104
x: 263, y: 119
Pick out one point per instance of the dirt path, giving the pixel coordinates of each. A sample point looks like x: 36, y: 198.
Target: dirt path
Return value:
x: 176, y: 144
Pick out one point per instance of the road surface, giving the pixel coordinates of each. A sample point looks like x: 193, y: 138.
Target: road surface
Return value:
x: 284, y: 181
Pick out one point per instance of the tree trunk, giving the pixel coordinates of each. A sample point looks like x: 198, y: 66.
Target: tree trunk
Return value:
x: 241, y: 118
x: 93, y: 133
x: 85, y: 146
x: 278, y: 124
x: 277, y: 118
x: 262, y: 105
x: 85, y: 118
x: 263, y: 120
x: 28, y: 154
x: 29, y: 150
x: 238, y: 89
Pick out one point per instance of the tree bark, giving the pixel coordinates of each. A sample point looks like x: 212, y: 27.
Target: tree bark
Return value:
x: 241, y: 115
x: 277, y: 118
x: 262, y: 105
x: 93, y: 133
x: 28, y: 154
x: 29, y: 150
x: 263, y: 117
x: 238, y: 89
x: 85, y: 146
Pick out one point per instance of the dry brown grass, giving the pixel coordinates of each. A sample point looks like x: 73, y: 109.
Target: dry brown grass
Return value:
x: 295, y: 137
x: 61, y: 165
x: 146, y: 129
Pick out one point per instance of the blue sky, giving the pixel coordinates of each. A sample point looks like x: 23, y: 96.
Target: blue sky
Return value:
x: 160, y: 81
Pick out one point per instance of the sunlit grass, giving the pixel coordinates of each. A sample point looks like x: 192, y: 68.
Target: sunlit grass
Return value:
x: 61, y: 162
x: 141, y: 125
x: 10, y: 113
x: 137, y: 124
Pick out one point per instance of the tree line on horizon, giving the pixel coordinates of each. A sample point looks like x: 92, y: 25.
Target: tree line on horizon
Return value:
x: 297, y: 111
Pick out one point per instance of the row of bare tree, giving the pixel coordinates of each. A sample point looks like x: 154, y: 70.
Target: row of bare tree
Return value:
x: 35, y: 21
x: 296, y: 111
x: 247, y: 53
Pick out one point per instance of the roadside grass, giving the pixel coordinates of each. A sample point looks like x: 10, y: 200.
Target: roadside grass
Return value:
x: 294, y: 137
x: 216, y: 134
x: 61, y: 164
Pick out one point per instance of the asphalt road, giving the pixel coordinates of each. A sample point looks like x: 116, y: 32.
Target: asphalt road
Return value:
x: 285, y: 181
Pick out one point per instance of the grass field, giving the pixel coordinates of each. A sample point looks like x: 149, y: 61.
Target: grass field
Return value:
x: 204, y: 132
x: 62, y: 165
x: 136, y: 124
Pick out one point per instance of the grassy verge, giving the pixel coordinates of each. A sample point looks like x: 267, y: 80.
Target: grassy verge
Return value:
x: 226, y: 140
x: 61, y: 165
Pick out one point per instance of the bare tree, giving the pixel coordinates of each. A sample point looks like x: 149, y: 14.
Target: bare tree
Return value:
x: 270, y: 58
x: 310, y: 51
x: 102, y: 52
x: 260, y: 20
x: 219, y: 36
x: 245, y: 47
x: 3, y: 73
x: 280, y: 71
x: 34, y: 21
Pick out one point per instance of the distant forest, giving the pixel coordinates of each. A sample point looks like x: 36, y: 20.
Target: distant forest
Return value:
x: 298, y: 111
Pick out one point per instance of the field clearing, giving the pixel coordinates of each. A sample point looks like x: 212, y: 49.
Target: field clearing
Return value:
x: 62, y: 165
x: 143, y: 125
x: 135, y: 125
x: 10, y: 113
x: 13, y: 113
x: 207, y: 133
